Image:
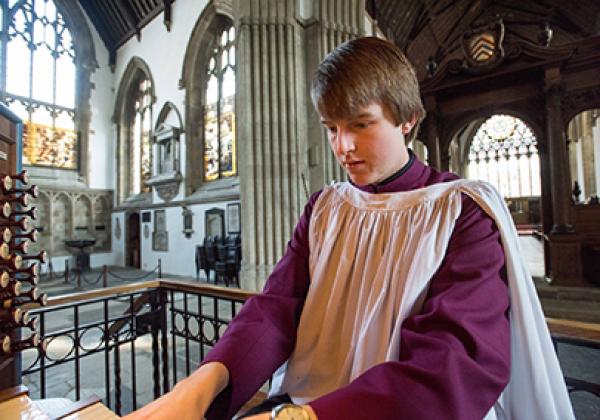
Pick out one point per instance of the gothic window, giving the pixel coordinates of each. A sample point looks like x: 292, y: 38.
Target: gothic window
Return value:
x: 141, y: 158
x: 219, y: 111
x: 39, y: 81
x: 504, y: 153
x: 133, y: 116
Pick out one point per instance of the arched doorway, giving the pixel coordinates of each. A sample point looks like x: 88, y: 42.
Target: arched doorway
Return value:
x: 503, y: 150
x: 133, y: 245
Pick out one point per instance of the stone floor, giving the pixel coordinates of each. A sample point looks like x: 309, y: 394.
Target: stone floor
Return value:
x: 576, y: 362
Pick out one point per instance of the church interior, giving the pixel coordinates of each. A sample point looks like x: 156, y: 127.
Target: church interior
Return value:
x: 177, y: 141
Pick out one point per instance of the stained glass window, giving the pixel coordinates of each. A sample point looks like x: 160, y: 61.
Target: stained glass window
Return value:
x: 141, y: 157
x: 219, y: 110
x: 504, y: 153
x: 40, y: 81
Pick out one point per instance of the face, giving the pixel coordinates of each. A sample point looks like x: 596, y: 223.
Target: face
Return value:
x: 369, y: 145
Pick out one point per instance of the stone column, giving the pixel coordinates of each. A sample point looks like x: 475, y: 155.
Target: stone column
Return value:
x: 280, y: 43
x: 271, y: 131
x: 565, y: 244
x: 328, y: 23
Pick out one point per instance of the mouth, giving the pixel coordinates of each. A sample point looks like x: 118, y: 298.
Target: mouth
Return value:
x: 353, y: 163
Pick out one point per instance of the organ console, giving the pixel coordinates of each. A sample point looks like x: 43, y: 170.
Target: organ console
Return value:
x: 32, y: 236
x: 22, y: 247
x: 23, y: 223
x: 21, y: 176
x: 41, y: 257
x: 6, y: 210
x: 6, y: 234
x: 32, y: 213
x: 22, y: 199
x: 32, y: 270
x: 13, y: 263
x: 17, y: 282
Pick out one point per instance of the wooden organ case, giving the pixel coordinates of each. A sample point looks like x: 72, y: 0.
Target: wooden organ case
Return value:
x: 18, y: 270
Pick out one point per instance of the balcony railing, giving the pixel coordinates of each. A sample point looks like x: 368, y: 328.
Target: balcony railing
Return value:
x: 130, y: 344
x: 126, y: 344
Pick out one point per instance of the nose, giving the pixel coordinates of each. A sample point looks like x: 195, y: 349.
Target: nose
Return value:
x: 344, y: 142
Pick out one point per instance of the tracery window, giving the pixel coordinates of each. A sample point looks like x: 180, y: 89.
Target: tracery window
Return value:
x: 504, y: 153
x: 39, y: 82
x: 219, y: 110
x: 141, y: 157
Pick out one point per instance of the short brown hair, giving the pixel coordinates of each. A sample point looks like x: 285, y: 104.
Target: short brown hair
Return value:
x: 365, y: 70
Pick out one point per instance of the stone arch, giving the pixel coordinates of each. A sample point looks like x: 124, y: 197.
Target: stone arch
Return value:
x: 169, y: 108
x: 216, y: 16
x: 62, y: 218
x: 82, y: 215
x: 101, y: 218
x: 136, y: 70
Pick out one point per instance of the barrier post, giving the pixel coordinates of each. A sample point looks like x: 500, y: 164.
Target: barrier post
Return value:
x: 159, y: 268
x: 66, y: 271
x: 104, y: 276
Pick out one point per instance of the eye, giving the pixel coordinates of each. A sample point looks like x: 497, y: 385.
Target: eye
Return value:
x: 331, y: 129
x: 362, y: 124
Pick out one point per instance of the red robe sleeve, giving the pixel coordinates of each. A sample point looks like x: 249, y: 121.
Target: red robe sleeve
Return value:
x: 454, y: 357
x: 263, y: 334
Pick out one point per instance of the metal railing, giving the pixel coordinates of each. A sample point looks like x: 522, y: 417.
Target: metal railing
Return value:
x: 129, y: 344
x: 109, y: 341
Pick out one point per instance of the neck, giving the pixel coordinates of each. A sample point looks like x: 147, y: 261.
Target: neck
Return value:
x: 406, y: 164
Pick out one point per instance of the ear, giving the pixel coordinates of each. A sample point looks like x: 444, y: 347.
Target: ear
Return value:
x: 409, y: 125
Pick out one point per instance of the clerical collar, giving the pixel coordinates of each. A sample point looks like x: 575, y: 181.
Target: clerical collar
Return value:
x: 402, y: 171
x: 402, y: 180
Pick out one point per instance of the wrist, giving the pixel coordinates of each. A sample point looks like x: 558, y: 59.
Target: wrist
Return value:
x: 205, y: 383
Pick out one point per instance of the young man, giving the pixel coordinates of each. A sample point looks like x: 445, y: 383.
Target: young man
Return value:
x: 392, y: 299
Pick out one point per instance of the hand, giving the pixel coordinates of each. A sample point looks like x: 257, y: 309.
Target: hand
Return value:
x: 190, y: 398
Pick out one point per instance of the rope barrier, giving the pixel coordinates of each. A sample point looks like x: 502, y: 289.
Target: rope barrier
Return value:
x: 91, y: 283
x: 76, y: 275
x: 134, y: 278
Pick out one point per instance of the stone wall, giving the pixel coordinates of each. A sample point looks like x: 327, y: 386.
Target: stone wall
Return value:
x: 67, y: 214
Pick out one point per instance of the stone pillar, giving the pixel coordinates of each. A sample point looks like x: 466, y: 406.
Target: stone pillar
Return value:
x: 280, y: 43
x: 271, y: 131
x: 328, y: 24
x: 565, y: 244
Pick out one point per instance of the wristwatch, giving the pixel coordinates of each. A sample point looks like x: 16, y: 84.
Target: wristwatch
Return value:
x: 289, y: 411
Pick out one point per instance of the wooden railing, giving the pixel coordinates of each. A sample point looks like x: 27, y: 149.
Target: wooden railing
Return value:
x: 130, y: 344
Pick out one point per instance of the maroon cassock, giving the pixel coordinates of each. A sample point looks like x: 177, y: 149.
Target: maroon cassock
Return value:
x: 454, y: 356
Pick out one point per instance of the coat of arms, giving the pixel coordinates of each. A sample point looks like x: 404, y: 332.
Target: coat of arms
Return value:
x: 483, y: 46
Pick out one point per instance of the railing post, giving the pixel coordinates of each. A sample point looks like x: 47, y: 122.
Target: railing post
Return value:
x: 117, y: 366
x: 51, y: 269
x: 163, y: 336
x: 155, y: 308
x: 159, y: 268
x: 104, y: 276
x: 66, y: 271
